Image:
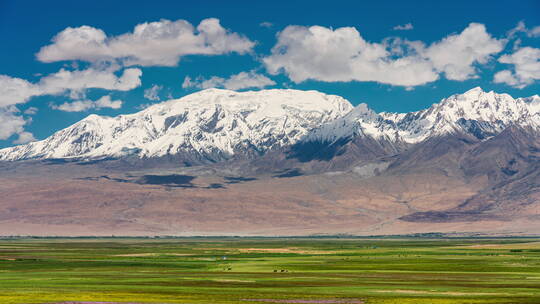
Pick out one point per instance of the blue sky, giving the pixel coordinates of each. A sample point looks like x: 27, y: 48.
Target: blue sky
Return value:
x: 393, y: 55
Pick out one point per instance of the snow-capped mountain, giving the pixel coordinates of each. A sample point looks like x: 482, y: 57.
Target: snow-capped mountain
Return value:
x: 482, y: 114
x: 214, y: 125
x: 472, y: 157
x: 209, y: 125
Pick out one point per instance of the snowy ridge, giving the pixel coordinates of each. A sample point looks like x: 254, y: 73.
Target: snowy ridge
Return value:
x: 212, y: 124
x: 216, y: 124
x: 479, y: 113
x: 361, y: 121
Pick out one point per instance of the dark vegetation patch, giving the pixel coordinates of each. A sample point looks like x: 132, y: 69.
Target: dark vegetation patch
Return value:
x: 237, y: 179
x: 289, y: 173
x: 91, y: 178
x: 56, y: 161
x: 120, y: 180
x: 508, y: 171
x: 173, y: 180
x: 441, y: 216
x: 215, y: 186
x: 534, y: 149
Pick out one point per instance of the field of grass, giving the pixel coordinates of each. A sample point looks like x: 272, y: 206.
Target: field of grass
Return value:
x: 301, y: 271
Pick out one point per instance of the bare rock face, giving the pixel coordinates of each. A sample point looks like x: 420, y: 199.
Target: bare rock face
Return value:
x: 510, y: 163
x: 282, y: 162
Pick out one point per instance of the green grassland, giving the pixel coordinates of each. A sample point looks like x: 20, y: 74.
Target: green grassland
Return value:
x: 270, y: 270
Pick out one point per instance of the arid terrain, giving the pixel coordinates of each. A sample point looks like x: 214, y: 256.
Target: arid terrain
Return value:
x: 40, y: 198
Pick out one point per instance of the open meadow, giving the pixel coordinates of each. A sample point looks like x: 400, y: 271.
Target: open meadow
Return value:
x: 270, y: 270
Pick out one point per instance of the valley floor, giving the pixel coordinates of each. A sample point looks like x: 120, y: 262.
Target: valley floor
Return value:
x: 270, y: 270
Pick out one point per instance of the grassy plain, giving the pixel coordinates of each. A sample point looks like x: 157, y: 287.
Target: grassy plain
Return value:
x: 273, y: 270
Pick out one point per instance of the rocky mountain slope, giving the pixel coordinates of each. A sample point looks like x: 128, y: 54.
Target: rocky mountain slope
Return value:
x: 282, y: 162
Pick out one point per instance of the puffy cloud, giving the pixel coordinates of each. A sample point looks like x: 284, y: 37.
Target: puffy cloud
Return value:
x: 522, y: 28
x: 24, y: 138
x: 31, y: 111
x: 16, y: 90
x: 188, y: 83
x: 506, y: 76
x: 242, y: 80
x: 85, y: 105
x: 404, y: 27
x: 526, y: 70
x: 152, y: 93
x: 10, y: 122
x: 64, y: 80
x: 266, y: 24
x: 246, y: 80
x: 160, y: 43
x: 534, y: 32
x: 519, y: 28
x: 201, y: 83
x: 325, y: 54
x: 456, y: 54
x: 107, y: 102
x: 74, y: 106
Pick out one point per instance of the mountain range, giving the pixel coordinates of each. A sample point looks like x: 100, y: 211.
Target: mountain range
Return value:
x: 282, y: 162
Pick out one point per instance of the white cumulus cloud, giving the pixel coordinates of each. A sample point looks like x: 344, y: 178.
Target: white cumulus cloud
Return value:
x: 85, y: 105
x: 90, y: 78
x: 31, y: 111
x: 152, y: 93
x: 10, y: 122
x: 534, y: 32
x: 456, y: 54
x: 526, y: 68
x: 16, y: 90
x: 325, y: 54
x: 242, y: 80
x: 24, y: 138
x: 107, y: 102
x: 522, y: 28
x: 404, y: 27
x: 160, y: 43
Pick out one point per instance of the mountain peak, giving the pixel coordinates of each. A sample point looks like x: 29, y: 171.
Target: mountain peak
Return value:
x: 477, y: 112
x: 535, y: 99
x: 474, y: 91
x: 477, y: 94
x: 210, y: 125
x: 213, y: 91
x: 214, y: 124
x: 92, y: 118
